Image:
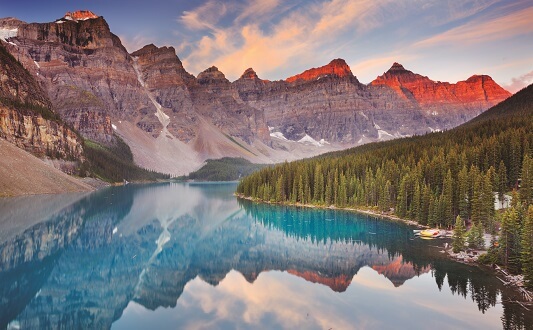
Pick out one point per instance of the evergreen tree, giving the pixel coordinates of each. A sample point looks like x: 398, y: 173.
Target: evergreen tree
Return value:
x: 280, y: 190
x: 487, y: 207
x: 526, y: 186
x: 458, y: 243
x: 475, y: 237
x: 463, y: 193
x: 502, y: 182
x: 527, y: 248
x: 510, y: 240
x: 447, y: 200
x: 318, y: 190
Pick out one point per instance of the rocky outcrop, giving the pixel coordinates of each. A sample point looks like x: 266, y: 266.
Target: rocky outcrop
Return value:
x: 453, y: 104
x: 39, y: 136
x: 80, y: 15
x: 329, y: 103
x: 326, y: 103
x: 85, y: 71
x: 337, y: 68
x: 26, y: 116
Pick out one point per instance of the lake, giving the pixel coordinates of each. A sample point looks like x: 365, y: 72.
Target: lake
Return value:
x: 192, y: 256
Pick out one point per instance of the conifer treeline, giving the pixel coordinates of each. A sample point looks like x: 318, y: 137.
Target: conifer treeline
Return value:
x: 430, y: 179
x: 114, y: 164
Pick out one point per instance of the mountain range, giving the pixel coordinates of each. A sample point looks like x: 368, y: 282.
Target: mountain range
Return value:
x: 174, y: 121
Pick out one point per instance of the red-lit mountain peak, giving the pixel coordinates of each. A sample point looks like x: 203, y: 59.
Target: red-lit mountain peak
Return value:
x: 337, y: 67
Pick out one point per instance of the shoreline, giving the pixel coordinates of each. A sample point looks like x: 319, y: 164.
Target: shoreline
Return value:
x: 447, y: 251
x: 323, y: 207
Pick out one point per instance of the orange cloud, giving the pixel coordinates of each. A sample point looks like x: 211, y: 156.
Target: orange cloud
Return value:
x: 479, y: 31
x: 298, y: 34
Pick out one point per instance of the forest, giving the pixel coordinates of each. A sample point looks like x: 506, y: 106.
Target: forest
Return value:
x: 438, y: 179
x: 224, y: 169
x: 114, y: 164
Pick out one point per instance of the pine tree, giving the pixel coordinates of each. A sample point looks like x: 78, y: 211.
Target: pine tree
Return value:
x: 477, y: 199
x: 526, y: 186
x: 318, y: 190
x: 502, y: 182
x: 463, y: 193
x: 510, y: 239
x: 475, y: 237
x: 280, y: 190
x: 447, y: 199
x: 487, y: 206
x: 301, y: 190
x: 527, y: 248
x: 401, y: 206
x: 458, y: 243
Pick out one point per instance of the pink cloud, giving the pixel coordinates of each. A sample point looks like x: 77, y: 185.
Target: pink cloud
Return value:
x: 519, y: 82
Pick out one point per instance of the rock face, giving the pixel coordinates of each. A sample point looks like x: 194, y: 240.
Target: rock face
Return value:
x: 337, y: 68
x: 26, y: 118
x: 174, y: 121
x: 159, y: 109
x: 80, y: 15
x: 452, y: 103
x: 328, y: 103
x: 83, y: 68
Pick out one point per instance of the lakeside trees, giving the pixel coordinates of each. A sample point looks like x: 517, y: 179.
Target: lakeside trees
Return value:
x: 430, y: 179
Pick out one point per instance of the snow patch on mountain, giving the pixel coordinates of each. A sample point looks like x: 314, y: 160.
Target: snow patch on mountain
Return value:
x: 163, y: 118
x: 310, y: 140
x: 278, y: 135
x: 8, y: 33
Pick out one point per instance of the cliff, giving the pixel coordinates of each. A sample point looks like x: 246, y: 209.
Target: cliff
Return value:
x: 26, y: 116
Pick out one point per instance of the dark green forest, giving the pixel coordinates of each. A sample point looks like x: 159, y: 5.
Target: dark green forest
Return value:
x: 224, y: 169
x: 114, y: 164
x: 431, y: 179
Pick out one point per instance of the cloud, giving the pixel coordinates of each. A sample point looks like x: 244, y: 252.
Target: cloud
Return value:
x: 204, y: 17
x: 299, y: 32
x: 135, y: 43
x: 484, y: 30
x: 519, y: 82
x: 257, y: 9
x: 444, y: 12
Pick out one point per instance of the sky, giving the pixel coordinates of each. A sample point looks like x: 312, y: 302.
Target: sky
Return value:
x: 446, y: 40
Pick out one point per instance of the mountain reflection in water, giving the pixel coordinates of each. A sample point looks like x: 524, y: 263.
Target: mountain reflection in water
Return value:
x: 192, y: 255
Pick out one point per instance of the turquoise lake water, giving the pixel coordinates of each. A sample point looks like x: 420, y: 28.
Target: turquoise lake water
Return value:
x: 192, y: 256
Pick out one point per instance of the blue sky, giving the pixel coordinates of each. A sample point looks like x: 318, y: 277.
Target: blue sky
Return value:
x: 446, y: 40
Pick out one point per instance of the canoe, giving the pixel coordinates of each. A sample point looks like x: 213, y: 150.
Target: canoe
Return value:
x: 430, y: 233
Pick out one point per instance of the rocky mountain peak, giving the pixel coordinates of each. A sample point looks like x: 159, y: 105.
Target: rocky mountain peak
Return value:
x: 212, y: 75
x: 396, y: 68
x: 10, y: 23
x: 85, y: 33
x: 478, y: 91
x: 485, y: 87
x: 337, y: 67
x: 80, y: 15
x: 480, y: 78
x: 145, y: 50
x: 153, y: 53
x: 249, y: 74
x: 398, y: 75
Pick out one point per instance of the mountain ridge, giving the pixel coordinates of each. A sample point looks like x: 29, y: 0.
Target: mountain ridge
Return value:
x: 166, y: 114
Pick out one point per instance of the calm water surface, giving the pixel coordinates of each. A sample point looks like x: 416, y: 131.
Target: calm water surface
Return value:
x: 192, y: 256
